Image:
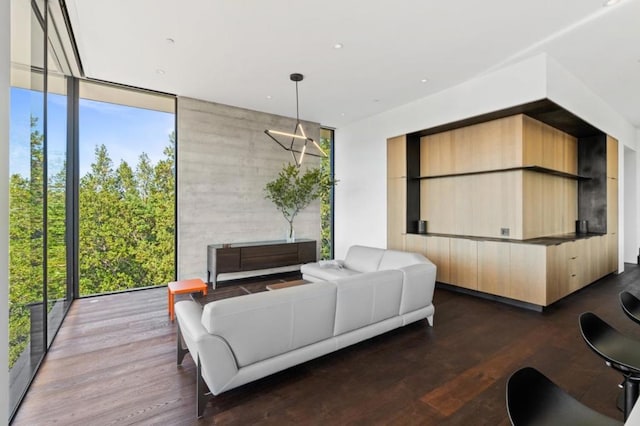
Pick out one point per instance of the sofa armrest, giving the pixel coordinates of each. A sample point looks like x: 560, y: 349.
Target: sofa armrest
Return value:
x: 218, y: 364
x: 418, y: 286
x: 188, y: 314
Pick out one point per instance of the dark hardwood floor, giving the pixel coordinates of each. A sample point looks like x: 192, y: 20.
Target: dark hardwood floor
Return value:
x: 113, y: 362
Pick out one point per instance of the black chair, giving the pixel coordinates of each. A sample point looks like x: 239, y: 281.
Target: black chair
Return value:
x: 533, y: 399
x: 630, y: 305
x: 619, y: 352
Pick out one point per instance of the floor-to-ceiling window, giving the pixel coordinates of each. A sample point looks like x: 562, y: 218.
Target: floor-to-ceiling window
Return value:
x: 87, y: 214
x: 58, y: 283
x: 326, y: 203
x: 26, y: 196
x: 127, y: 189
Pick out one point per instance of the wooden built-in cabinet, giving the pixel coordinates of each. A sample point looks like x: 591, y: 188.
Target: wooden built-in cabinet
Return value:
x: 501, y: 199
x: 490, y: 164
x: 396, y: 192
x: 463, y: 262
x: 534, y: 273
x: 493, y: 267
x: 612, y: 204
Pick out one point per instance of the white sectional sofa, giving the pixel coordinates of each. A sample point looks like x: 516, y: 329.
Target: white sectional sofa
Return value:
x: 238, y: 340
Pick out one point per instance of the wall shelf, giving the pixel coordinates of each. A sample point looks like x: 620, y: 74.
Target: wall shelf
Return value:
x: 536, y: 169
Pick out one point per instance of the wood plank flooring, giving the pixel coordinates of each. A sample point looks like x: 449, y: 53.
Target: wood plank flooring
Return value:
x: 113, y: 363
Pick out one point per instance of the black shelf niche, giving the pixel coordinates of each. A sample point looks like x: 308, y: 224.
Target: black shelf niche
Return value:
x: 591, y: 175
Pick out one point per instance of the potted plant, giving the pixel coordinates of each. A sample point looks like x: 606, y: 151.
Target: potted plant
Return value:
x: 292, y: 191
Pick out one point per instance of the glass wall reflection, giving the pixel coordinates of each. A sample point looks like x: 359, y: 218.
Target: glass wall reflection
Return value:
x: 26, y: 199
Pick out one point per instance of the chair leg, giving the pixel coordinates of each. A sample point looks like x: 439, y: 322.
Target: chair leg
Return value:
x: 201, y: 392
x: 182, y: 349
x: 630, y: 395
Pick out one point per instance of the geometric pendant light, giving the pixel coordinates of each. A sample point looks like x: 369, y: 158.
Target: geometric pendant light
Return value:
x: 298, y: 137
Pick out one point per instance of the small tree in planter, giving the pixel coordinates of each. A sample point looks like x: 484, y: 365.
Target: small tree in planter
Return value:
x: 292, y: 193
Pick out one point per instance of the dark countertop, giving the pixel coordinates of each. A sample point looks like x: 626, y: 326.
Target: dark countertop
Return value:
x: 551, y: 240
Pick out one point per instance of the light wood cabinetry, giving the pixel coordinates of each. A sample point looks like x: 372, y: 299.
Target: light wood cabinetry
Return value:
x: 484, y: 204
x: 499, y: 194
x: 612, y: 205
x: 396, y: 192
x: 397, y: 157
x: 438, y: 251
x: 416, y: 243
x: 549, y: 205
x: 396, y: 212
x: 562, y: 269
x: 509, y: 142
x: 494, y: 275
x: 532, y: 273
x: 528, y: 273
x: 500, y: 197
x: 463, y: 262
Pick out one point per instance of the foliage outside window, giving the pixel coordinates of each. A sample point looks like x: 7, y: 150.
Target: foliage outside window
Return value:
x: 127, y: 223
x: 326, y: 212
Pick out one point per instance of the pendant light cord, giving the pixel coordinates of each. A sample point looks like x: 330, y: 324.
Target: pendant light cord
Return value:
x: 297, y: 106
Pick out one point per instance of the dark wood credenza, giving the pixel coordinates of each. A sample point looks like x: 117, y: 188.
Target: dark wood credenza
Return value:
x: 251, y: 256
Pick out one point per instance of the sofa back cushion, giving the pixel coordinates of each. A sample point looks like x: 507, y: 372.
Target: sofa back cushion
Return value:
x: 363, y: 259
x: 394, y: 259
x: 366, y: 299
x: 262, y: 325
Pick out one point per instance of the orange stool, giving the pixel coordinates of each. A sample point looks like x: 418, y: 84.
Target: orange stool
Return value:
x: 182, y: 287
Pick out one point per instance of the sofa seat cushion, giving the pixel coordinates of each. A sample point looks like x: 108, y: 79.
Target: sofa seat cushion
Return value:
x: 365, y: 299
x: 262, y: 325
x: 325, y: 272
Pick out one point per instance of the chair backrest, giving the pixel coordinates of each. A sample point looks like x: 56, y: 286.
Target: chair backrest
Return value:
x: 630, y: 305
x: 533, y: 399
x: 620, y: 351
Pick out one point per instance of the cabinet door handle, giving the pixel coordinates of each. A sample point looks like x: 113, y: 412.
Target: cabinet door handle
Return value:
x: 574, y: 257
x: 573, y: 275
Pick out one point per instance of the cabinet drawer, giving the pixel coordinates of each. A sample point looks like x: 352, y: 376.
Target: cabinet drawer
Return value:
x: 227, y: 260
x: 269, y: 256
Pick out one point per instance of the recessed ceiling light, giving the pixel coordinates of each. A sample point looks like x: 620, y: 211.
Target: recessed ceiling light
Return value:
x: 268, y: 96
x: 424, y: 80
x: 159, y: 71
x: 611, y: 3
x: 342, y: 114
x: 338, y: 46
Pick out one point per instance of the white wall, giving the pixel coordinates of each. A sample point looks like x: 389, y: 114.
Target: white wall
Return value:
x: 4, y: 207
x: 360, y: 215
x: 360, y: 149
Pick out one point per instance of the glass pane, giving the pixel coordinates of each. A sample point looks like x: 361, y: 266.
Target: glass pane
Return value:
x: 326, y: 203
x: 127, y: 190
x: 26, y: 199
x: 57, y: 294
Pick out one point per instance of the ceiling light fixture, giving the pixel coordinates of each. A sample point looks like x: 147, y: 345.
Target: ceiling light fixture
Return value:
x: 338, y: 46
x: 298, y: 133
x: 611, y: 3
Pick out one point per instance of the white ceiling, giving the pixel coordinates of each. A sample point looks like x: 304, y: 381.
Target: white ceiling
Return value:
x: 239, y: 52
